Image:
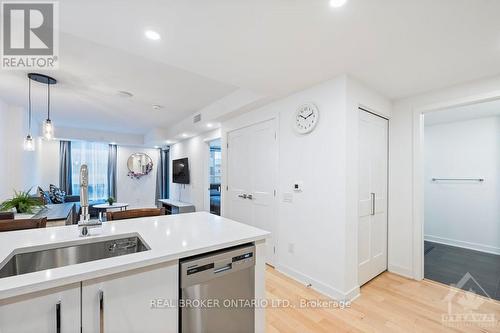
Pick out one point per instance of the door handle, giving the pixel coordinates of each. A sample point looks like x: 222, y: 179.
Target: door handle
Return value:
x: 101, y: 311
x: 373, y: 203
x: 58, y: 317
x: 249, y: 196
x: 244, y: 196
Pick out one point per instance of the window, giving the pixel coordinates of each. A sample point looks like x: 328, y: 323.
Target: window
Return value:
x: 95, y: 155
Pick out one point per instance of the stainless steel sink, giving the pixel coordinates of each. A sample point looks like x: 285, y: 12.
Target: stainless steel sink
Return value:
x: 29, y: 262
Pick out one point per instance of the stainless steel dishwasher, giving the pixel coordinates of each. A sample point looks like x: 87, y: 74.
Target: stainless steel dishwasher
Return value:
x: 217, y: 292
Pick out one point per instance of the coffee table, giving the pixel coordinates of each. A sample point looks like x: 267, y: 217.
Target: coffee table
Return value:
x: 104, y: 207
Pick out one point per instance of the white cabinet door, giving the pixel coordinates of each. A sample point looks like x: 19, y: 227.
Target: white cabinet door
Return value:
x: 372, y: 225
x: 41, y: 312
x: 251, y: 178
x: 142, y: 300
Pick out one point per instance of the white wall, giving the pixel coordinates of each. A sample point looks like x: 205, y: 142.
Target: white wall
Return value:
x: 402, y: 227
x: 463, y: 213
x: 47, y: 163
x: 196, y: 150
x: 18, y: 165
x: 4, y: 190
x: 139, y: 193
x: 321, y: 222
x: 85, y: 134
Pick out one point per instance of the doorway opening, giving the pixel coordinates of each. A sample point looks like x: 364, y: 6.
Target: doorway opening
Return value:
x: 461, y: 171
x: 214, y: 176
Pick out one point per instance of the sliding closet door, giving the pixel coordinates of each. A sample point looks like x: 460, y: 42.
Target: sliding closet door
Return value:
x: 251, y: 179
x: 372, y: 225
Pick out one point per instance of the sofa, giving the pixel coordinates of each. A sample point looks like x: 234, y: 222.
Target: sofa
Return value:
x: 76, y: 200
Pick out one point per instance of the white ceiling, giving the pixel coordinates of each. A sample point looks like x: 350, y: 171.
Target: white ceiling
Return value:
x: 461, y: 113
x: 272, y: 47
x: 89, y: 78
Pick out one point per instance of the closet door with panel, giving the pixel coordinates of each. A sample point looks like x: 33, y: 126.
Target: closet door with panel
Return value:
x: 373, y: 169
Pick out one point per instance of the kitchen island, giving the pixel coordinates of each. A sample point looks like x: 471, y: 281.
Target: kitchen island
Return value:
x: 135, y: 292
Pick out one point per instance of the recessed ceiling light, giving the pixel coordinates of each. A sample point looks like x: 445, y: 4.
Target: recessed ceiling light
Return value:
x: 169, y: 142
x: 151, y: 34
x: 157, y: 107
x: 210, y: 125
x: 184, y: 135
x: 337, y: 3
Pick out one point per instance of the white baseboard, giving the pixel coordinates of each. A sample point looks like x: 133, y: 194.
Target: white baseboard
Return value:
x: 465, y: 245
x: 319, y: 286
x: 399, y: 270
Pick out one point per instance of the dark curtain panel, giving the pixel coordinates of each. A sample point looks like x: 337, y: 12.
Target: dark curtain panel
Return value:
x: 162, y: 183
x: 65, y: 183
x: 112, y: 171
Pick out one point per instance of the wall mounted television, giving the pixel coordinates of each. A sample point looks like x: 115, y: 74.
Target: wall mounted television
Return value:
x: 180, y: 171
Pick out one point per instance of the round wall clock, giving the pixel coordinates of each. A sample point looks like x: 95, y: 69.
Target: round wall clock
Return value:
x: 306, y: 118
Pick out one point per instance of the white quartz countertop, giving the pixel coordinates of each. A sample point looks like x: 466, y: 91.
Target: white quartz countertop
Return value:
x: 170, y: 238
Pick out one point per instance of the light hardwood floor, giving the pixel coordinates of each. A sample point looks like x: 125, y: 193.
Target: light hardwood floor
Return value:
x: 389, y: 303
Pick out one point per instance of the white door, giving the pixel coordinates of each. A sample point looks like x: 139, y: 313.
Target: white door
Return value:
x: 372, y: 225
x: 252, y: 169
x: 42, y: 311
x: 238, y: 176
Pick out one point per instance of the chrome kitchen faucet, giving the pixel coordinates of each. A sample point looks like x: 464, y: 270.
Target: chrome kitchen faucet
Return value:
x: 84, y: 224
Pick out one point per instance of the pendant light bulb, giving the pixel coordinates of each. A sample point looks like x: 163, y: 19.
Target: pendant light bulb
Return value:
x: 48, y: 130
x: 29, y: 144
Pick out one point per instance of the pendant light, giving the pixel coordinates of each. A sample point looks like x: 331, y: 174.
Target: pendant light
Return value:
x: 48, y: 127
x: 29, y: 144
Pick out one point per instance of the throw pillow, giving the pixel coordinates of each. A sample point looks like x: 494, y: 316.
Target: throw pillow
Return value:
x: 44, y: 196
x: 57, y: 196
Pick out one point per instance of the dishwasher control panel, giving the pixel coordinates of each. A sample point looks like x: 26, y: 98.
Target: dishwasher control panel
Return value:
x: 209, y: 266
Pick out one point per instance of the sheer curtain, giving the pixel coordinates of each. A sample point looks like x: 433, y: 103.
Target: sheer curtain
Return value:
x: 95, y: 155
x: 112, y: 155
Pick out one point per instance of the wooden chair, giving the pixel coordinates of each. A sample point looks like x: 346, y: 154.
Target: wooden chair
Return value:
x: 11, y: 225
x: 134, y: 213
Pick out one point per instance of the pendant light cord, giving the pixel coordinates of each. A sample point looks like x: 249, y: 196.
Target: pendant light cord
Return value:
x: 29, y: 106
x: 48, y: 100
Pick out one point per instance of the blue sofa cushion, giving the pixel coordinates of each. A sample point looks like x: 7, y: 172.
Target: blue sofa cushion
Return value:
x: 44, y: 195
x: 57, y: 196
